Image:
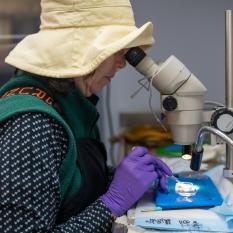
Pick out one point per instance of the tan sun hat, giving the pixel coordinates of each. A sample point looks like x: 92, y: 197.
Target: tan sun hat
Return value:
x: 76, y: 36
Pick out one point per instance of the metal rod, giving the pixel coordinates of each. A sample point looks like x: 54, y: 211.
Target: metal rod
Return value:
x: 228, y: 48
x: 207, y: 129
x: 198, y: 149
x: 228, y: 79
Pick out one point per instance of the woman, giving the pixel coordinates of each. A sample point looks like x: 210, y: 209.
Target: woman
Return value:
x: 53, y: 170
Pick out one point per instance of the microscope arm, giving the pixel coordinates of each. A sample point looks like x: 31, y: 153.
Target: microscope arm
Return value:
x: 198, y: 148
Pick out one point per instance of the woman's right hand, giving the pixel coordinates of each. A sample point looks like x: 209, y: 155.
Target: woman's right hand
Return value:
x: 132, y: 178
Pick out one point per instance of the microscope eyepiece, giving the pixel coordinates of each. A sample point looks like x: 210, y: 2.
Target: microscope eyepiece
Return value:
x: 135, y: 55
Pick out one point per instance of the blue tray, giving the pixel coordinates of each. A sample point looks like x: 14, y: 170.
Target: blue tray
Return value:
x: 207, y: 195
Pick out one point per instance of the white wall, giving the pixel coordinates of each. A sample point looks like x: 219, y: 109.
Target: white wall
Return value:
x: 194, y: 31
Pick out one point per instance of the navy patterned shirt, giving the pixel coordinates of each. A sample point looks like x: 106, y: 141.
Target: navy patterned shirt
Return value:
x: 32, y: 147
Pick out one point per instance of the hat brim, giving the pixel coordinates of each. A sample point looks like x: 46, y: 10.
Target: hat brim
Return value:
x: 75, y: 52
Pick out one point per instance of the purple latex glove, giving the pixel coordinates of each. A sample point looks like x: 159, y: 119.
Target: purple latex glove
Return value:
x: 132, y: 178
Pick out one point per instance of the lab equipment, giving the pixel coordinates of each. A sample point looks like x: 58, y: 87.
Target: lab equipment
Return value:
x: 186, y: 189
x: 174, y: 178
x: 190, y: 192
x: 182, y: 100
x: 197, y: 152
x: 216, y: 219
x: 182, y: 94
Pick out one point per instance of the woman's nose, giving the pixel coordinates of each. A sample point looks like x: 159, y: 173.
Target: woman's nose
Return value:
x: 122, y: 64
x: 120, y: 60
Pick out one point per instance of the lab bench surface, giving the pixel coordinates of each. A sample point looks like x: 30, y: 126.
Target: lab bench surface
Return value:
x: 122, y: 226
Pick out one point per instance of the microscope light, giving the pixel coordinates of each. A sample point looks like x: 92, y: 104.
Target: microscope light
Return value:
x: 186, y: 156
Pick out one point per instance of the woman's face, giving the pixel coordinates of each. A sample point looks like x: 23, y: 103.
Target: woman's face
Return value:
x: 92, y: 84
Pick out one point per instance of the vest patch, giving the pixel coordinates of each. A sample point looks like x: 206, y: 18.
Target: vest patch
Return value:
x: 34, y: 91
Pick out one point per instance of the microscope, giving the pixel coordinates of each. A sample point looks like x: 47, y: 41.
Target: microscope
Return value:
x: 182, y: 104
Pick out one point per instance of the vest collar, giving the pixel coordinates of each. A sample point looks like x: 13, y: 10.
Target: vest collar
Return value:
x: 75, y: 108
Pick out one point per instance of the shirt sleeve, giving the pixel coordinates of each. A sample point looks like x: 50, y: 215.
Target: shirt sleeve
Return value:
x: 32, y: 147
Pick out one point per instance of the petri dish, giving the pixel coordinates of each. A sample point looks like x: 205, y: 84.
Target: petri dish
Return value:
x: 186, y: 189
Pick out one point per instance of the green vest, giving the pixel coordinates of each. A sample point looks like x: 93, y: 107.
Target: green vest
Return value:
x: 78, y: 118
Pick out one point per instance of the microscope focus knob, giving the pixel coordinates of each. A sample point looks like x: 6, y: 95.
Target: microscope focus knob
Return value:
x: 169, y: 103
x: 222, y: 119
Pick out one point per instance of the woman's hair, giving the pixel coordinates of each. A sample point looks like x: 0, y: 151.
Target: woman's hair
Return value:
x: 62, y: 85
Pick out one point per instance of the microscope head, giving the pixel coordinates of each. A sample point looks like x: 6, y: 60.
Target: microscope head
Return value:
x: 182, y: 94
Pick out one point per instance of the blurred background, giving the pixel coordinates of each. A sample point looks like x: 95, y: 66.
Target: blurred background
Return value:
x: 17, y: 19
x: 194, y: 31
